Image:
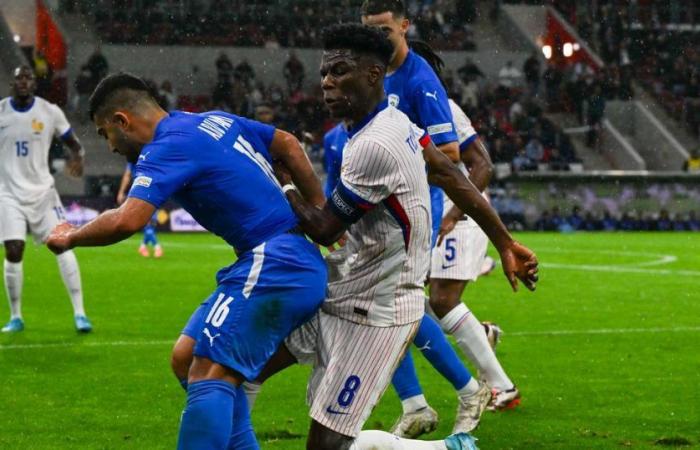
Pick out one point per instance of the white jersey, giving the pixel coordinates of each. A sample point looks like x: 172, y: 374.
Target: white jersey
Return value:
x: 380, y: 283
x: 465, y: 135
x: 25, y: 139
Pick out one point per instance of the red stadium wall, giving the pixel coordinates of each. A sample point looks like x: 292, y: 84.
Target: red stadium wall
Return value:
x: 559, y: 32
x: 50, y: 41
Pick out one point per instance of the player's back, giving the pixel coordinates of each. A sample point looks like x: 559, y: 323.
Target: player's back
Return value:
x: 382, y: 281
x: 218, y: 167
x: 25, y: 139
x: 334, y: 142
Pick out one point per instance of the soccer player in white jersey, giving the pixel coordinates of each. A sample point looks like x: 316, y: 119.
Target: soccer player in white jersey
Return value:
x: 375, y: 297
x: 458, y: 258
x: 28, y: 199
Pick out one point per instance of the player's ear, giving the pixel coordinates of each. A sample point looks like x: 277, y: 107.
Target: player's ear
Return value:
x: 405, y: 23
x: 375, y: 74
x: 120, y: 119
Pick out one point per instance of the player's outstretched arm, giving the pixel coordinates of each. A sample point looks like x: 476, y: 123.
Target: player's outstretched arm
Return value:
x: 108, y: 228
x: 124, y: 186
x: 75, y: 163
x: 320, y: 224
x: 285, y: 148
x: 518, y: 261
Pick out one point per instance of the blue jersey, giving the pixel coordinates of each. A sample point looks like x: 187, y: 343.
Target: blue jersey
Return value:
x: 218, y: 167
x: 333, y: 144
x: 415, y: 89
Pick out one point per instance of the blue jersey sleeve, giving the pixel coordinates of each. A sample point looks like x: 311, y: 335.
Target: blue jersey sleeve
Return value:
x: 162, y: 170
x: 433, y: 111
x: 331, y: 164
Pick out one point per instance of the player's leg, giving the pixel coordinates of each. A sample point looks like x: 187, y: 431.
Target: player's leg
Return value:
x: 381, y: 440
x: 347, y: 381
x: 13, y: 230
x: 47, y: 214
x: 260, y: 300
x: 417, y: 416
x: 14, y: 278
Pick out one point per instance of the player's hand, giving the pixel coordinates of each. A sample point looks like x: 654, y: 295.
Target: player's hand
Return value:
x: 74, y: 166
x: 59, y: 240
x: 519, y: 263
x: 448, y: 224
x: 282, y: 173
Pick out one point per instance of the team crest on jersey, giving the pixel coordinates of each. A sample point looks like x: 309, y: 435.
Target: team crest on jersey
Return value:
x: 394, y: 100
x: 37, y: 126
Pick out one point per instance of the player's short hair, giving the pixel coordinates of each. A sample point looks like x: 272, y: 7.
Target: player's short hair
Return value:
x: 121, y: 89
x: 372, y: 7
x: 359, y: 38
x: 424, y: 50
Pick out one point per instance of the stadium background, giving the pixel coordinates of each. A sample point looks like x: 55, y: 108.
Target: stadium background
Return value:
x: 591, y: 105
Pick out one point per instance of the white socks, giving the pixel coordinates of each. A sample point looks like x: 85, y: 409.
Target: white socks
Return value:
x: 14, y: 277
x: 470, y: 336
x: 413, y: 404
x: 381, y: 440
x: 70, y: 272
x: 469, y: 389
x: 251, y: 389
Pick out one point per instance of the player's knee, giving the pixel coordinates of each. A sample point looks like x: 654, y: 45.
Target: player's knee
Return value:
x: 14, y: 250
x: 181, y: 357
x: 322, y: 438
x: 442, y: 301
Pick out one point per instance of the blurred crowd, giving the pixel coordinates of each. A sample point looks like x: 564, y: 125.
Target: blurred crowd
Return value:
x: 262, y: 23
x: 627, y: 221
x: 654, y: 42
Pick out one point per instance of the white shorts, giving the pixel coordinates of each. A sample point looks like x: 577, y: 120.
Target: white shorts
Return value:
x: 353, y: 365
x: 38, y: 218
x: 461, y: 253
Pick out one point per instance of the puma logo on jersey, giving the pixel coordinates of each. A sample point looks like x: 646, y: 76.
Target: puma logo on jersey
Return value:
x: 433, y: 95
x: 425, y: 347
x: 211, y: 338
x: 143, y: 157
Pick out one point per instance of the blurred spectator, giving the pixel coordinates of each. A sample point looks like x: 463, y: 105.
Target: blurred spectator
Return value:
x: 596, y: 111
x: 693, y: 223
x: 531, y: 69
x: 43, y: 74
x: 544, y: 223
x: 168, y: 95
x: 97, y: 65
x: 509, y: 75
x: 264, y: 113
x: 83, y: 89
x: 244, y: 72
x: 664, y: 221
x: 692, y: 164
x: 469, y: 71
x: 608, y: 223
x: 590, y: 223
x: 575, y: 220
x: 293, y: 72
x: 224, y: 68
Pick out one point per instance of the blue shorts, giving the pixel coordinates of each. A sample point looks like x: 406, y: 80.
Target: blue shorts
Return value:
x: 260, y: 299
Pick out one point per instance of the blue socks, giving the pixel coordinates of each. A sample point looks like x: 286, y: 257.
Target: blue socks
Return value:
x: 149, y: 235
x: 437, y: 350
x: 216, y: 417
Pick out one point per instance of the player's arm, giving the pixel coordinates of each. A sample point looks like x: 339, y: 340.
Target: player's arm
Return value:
x: 434, y: 114
x: 476, y: 158
x: 124, y: 186
x: 321, y: 224
x: 518, y: 261
x: 108, y: 228
x: 286, y: 149
x: 75, y: 162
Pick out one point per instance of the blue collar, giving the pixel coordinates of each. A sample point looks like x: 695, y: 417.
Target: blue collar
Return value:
x: 361, y: 124
x: 25, y: 109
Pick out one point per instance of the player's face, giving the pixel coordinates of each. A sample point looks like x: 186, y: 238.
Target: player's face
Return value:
x: 23, y: 84
x: 342, y: 83
x: 395, y: 27
x: 115, y: 131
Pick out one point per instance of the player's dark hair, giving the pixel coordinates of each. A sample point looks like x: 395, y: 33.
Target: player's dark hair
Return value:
x: 360, y: 39
x: 107, y: 90
x: 424, y: 50
x: 372, y: 7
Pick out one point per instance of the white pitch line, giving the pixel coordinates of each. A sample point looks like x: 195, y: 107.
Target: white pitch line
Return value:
x: 508, y: 334
x: 87, y: 344
x: 603, y: 331
x: 621, y: 269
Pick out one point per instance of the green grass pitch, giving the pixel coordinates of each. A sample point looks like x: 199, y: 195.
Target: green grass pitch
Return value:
x: 606, y: 352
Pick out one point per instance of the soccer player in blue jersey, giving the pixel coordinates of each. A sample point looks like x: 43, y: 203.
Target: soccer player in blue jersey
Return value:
x: 334, y: 142
x: 413, y: 87
x: 218, y: 167
x: 149, y: 231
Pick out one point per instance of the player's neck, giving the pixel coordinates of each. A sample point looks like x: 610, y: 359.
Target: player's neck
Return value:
x: 22, y: 103
x: 399, y: 57
x: 372, y: 103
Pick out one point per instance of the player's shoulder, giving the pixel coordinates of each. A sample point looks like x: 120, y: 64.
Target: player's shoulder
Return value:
x: 420, y: 71
x: 389, y: 129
